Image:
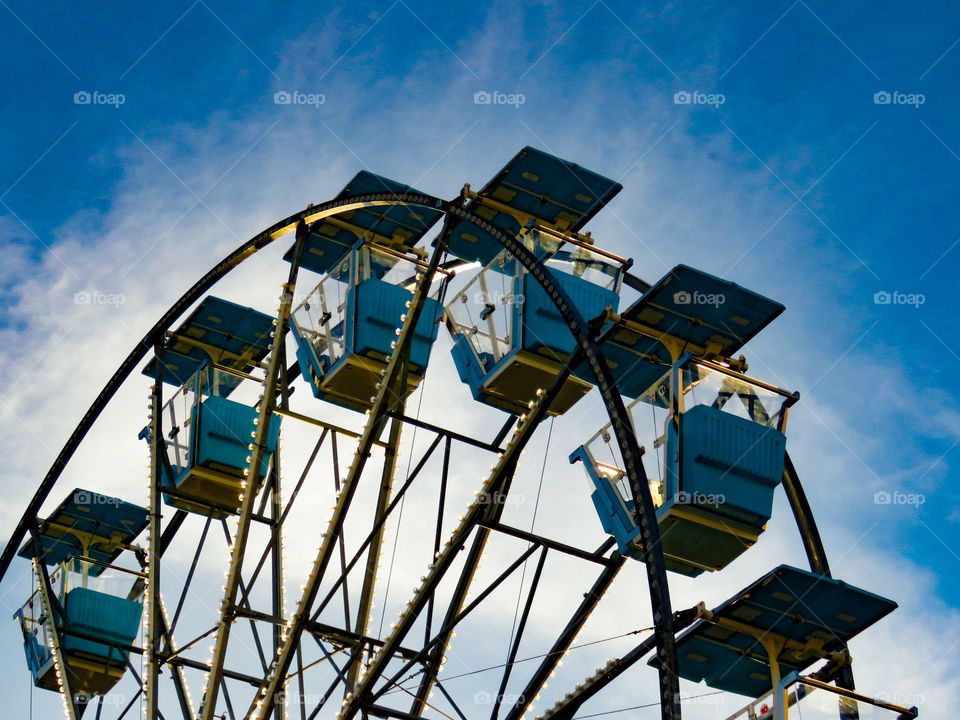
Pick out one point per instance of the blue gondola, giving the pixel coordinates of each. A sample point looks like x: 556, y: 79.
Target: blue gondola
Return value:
x: 784, y: 622
x: 347, y: 327
x: 509, y: 338
x: 533, y: 187
x: 98, y: 617
x: 397, y: 227
x: 207, y: 435
x: 717, y: 435
x: 687, y: 310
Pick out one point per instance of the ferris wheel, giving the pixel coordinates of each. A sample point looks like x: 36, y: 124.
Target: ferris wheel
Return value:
x: 292, y: 439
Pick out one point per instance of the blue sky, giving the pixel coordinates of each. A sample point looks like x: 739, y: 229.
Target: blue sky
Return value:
x: 801, y: 184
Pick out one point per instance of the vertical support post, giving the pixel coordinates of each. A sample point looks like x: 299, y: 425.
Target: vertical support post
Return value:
x: 373, y: 555
x: 434, y: 663
x: 249, y: 485
x: 340, y: 541
x: 549, y: 663
x: 499, y: 473
x: 53, y: 612
x: 780, y: 702
x: 179, y: 682
x: 276, y: 556
x: 438, y: 535
x: 515, y: 647
x: 153, y: 615
x: 392, y: 386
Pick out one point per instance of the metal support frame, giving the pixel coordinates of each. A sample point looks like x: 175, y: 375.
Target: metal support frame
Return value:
x: 431, y: 646
x: 435, y: 661
x: 373, y: 554
x: 663, y: 638
x: 504, y: 467
x: 565, y: 640
x: 252, y: 476
x: 53, y: 611
x: 387, y: 399
x: 518, y: 635
x: 566, y: 707
x: 649, y: 536
x: 152, y: 621
x: 276, y: 559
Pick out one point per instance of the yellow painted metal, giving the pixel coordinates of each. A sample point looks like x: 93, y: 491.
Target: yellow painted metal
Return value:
x: 59, y: 660
x: 385, y: 399
x: 708, y: 519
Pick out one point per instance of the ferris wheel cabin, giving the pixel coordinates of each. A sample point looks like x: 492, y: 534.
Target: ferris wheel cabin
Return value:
x: 83, y: 617
x: 759, y: 642
x: 718, y: 436
x: 205, y: 451
x: 345, y: 330
x: 509, y: 338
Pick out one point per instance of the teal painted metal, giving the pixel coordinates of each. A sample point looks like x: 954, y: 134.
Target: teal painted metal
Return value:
x: 97, y: 616
x: 542, y: 328
x: 88, y: 523
x: 720, y: 445
x: 220, y: 332
x: 552, y: 190
x: 39, y: 655
x: 736, y: 463
x: 346, y: 328
x: 786, y: 603
x: 375, y: 308
x: 208, y: 443
x: 537, y: 329
x: 373, y: 312
x: 471, y: 367
x: 112, y: 619
x: 691, y: 306
x: 330, y: 240
x: 616, y: 518
x: 223, y: 436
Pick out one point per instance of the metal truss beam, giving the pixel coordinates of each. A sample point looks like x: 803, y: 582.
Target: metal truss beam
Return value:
x: 565, y: 640
x: 503, y: 469
x: 251, y: 481
x: 386, y: 400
